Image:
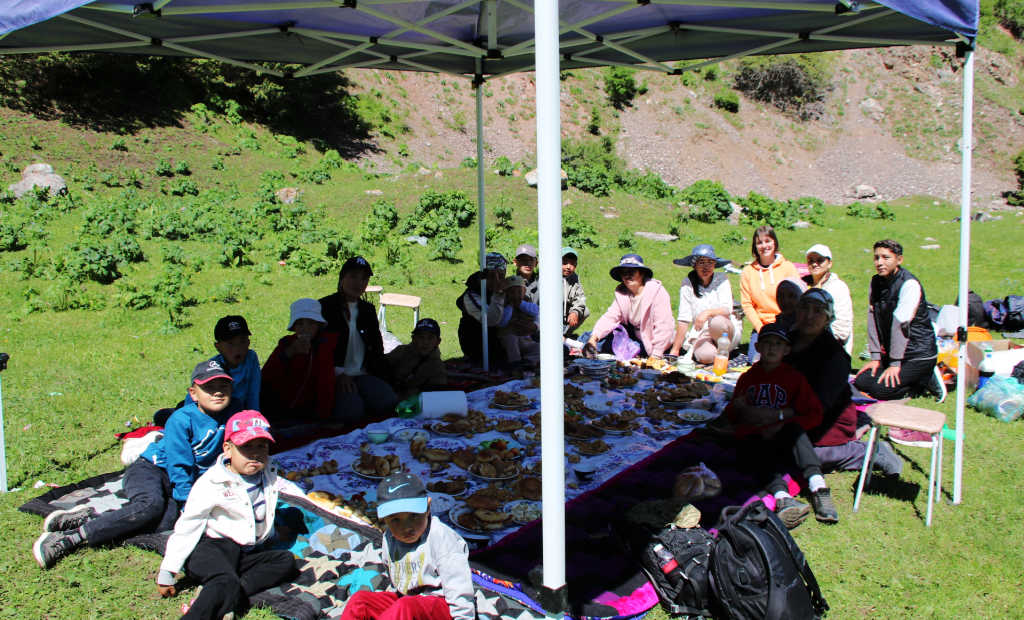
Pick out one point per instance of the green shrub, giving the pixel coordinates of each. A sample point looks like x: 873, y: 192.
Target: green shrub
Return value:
x: 182, y: 168
x: 504, y: 166
x: 163, y: 168
x: 796, y: 84
x: 733, y: 237
x: 878, y: 211
x: 704, y: 201
x: 592, y: 179
x: 727, y: 99
x: 378, y: 223
x: 1010, y: 14
x: 808, y: 208
x: 468, y: 162
x: 89, y: 260
x: 626, y: 241
x: 577, y: 232
x: 647, y: 184
x: 503, y: 217
x: 446, y: 245
x: 594, y: 125
x: 11, y: 236
x: 439, y: 211
x: 620, y: 86
x: 761, y: 209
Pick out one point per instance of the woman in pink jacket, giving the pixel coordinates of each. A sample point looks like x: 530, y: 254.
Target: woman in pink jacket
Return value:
x: 641, y: 305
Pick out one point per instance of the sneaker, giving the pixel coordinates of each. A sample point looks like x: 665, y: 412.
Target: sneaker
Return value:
x: 887, y: 460
x: 936, y: 386
x: 907, y: 437
x: 791, y: 511
x: 52, y: 546
x: 824, y: 508
x: 72, y: 519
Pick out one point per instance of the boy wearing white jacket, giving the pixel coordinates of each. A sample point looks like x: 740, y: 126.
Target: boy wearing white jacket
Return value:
x: 228, y: 513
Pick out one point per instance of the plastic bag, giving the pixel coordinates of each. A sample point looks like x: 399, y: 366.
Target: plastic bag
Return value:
x: 1001, y: 397
x: 696, y: 483
x: 624, y: 347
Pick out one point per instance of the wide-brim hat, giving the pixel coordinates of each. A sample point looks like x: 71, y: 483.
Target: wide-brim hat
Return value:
x: 630, y: 261
x: 704, y: 250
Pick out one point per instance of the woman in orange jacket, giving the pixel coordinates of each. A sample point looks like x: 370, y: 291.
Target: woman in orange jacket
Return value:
x: 762, y: 276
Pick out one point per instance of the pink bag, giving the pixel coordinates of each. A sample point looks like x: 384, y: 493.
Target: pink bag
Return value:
x: 624, y: 347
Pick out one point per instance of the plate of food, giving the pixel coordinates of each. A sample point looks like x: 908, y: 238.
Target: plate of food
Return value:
x: 523, y: 511
x: 446, y: 429
x: 365, y: 472
x: 510, y: 400
x: 494, y: 471
x: 407, y: 435
x: 454, y: 486
x: 506, y: 449
x: 674, y: 404
x: 480, y: 521
x: 697, y: 415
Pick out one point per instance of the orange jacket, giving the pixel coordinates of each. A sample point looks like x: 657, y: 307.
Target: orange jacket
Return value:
x: 757, y: 289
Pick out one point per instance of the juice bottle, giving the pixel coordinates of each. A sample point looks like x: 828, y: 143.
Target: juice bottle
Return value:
x: 722, y: 356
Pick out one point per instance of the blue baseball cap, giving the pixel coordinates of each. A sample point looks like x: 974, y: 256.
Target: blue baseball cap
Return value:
x: 401, y: 492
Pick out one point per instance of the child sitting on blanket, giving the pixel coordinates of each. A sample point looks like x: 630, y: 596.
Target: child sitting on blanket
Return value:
x: 518, y: 325
x: 417, y: 366
x: 298, y: 378
x: 427, y: 561
x: 231, y: 339
x: 156, y: 483
x: 772, y: 407
x: 229, y: 513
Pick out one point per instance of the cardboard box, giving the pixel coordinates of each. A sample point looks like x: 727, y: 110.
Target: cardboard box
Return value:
x: 976, y: 353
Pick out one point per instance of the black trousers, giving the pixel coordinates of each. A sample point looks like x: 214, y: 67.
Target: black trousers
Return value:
x: 914, y: 376
x: 230, y: 575
x: 789, y: 449
x: 150, y: 507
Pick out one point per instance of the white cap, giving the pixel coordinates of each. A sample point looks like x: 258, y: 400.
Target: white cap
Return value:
x: 305, y: 308
x: 820, y: 249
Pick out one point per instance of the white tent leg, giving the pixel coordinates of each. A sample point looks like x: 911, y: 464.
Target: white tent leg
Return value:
x: 549, y: 225
x: 481, y: 216
x: 966, y: 148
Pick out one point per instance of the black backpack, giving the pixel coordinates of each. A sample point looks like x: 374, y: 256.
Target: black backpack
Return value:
x: 1014, y: 319
x: 758, y: 571
x: 676, y: 561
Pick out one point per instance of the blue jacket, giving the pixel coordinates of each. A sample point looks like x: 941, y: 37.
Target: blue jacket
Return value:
x: 245, y: 383
x: 191, y: 444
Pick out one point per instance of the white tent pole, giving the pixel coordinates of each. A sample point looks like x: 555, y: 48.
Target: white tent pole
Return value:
x: 481, y: 215
x: 966, y: 148
x: 549, y: 226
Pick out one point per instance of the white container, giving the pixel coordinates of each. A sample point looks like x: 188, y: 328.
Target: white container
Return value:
x: 436, y: 404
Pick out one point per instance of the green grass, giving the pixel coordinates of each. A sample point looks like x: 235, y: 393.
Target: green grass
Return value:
x: 78, y: 377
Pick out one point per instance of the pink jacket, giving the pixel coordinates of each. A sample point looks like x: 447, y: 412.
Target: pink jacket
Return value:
x: 657, y: 325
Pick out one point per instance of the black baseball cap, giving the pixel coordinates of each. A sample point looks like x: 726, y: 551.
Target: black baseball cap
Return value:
x: 230, y: 326
x: 427, y: 325
x: 208, y: 371
x: 774, y: 329
x: 356, y: 262
x: 401, y: 492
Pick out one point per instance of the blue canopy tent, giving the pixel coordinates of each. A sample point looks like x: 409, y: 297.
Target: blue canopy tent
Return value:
x: 482, y: 39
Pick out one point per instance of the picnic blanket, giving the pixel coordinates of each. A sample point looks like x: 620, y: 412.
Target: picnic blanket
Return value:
x: 336, y: 556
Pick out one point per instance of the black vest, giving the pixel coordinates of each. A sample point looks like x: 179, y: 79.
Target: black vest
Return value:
x: 885, y: 294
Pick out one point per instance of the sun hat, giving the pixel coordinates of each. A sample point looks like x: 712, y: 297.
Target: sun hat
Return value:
x: 567, y: 251
x: 401, y: 492
x: 208, y: 371
x: 819, y: 296
x: 245, y: 426
x: 494, y: 260
x: 527, y: 249
x: 305, y: 308
x: 356, y: 262
x: 820, y: 249
x: 230, y: 326
x: 630, y: 261
x: 773, y: 329
x: 704, y: 250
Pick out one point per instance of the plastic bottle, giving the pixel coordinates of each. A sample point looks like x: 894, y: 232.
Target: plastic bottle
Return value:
x: 666, y: 560
x: 722, y: 356
x: 409, y: 408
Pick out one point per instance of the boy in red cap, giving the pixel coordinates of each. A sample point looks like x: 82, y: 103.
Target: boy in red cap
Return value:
x: 229, y: 513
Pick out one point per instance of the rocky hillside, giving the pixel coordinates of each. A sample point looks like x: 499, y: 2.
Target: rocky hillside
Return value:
x: 892, y: 122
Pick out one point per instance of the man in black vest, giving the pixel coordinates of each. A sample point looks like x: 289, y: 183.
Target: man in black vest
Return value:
x: 901, y: 338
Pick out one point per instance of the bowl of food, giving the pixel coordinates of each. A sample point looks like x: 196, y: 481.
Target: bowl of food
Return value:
x: 584, y: 470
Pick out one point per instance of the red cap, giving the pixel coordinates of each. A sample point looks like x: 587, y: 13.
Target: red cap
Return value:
x: 245, y: 426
